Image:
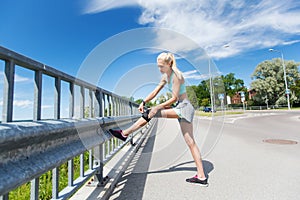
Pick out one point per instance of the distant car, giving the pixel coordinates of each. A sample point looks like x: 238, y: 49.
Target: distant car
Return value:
x: 208, y: 109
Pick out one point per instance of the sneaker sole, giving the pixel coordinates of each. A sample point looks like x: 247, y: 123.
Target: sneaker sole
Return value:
x: 117, y: 136
x: 201, y: 185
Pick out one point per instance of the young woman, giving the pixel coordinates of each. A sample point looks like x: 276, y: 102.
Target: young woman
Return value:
x: 183, y: 111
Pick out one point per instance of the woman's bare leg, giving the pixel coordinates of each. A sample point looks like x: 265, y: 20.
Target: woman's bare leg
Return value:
x: 166, y: 113
x: 138, y: 124
x: 187, y: 131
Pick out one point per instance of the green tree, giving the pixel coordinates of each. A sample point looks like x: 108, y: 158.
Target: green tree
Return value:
x: 169, y: 95
x: 295, y: 89
x: 218, y: 88
x: 269, y: 81
x: 205, y: 102
x: 202, y: 91
x: 161, y: 99
x: 232, y: 85
x: 191, y: 93
x: 138, y: 101
x: 148, y: 104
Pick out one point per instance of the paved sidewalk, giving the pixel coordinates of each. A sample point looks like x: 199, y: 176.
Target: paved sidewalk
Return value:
x: 240, y: 166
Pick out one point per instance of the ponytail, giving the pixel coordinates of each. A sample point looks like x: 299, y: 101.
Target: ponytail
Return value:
x: 170, y: 58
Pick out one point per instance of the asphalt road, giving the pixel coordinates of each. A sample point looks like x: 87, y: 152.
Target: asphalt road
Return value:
x: 239, y: 164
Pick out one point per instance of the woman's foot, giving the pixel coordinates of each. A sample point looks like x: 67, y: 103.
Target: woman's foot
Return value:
x: 118, y: 134
x: 195, y: 179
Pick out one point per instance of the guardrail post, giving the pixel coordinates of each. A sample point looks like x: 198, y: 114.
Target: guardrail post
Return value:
x: 37, y: 96
x: 8, y: 89
x: 57, y: 97
x: 91, y: 104
x: 82, y: 102
x: 70, y: 172
x: 34, y: 191
x: 98, y: 104
x: 91, y: 159
x: 71, y: 100
x: 117, y: 107
x: 108, y: 106
x: 98, y: 153
x: 121, y: 107
x: 82, y: 165
x: 55, y: 182
x: 112, y: 106
x: 104, y: 106
x: 131, y: 108
x: 4, y: 197
x: 98, y: 150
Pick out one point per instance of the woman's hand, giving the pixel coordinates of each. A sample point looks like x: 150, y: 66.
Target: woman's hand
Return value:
x: 154, y: 110
x: 141, y: 107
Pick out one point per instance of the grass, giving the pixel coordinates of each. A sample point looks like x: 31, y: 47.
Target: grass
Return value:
x: 285, y: 108
x: 45, y: 185
x: 221, y: 113
x: 218, y: 113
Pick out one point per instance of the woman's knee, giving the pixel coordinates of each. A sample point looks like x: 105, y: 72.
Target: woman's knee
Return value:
x: 146, y: 113
x: 190, y: 142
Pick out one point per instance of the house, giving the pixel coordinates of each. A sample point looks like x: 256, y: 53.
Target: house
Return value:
x: 236, y: 99
x: 251, y: 93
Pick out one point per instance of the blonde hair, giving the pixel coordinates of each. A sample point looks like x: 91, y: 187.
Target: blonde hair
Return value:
x: 169, y: 58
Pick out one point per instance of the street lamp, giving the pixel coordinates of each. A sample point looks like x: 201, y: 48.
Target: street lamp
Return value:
x: 284, y: 74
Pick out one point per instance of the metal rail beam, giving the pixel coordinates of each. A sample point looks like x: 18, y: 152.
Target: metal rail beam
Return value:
x: 29, y: 149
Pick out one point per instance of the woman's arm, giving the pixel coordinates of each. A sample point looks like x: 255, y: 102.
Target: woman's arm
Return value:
x: 155, y: 91
x: 168, y: 103
x: 175, y: 94
x: 152, y: 94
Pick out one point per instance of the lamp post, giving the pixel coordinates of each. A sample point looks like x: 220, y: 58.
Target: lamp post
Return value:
x: 211, y: 88
x: 284, y: 75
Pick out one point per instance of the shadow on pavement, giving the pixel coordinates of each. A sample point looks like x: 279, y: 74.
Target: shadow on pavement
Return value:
x: 207, y: 165
x: 132, y: 184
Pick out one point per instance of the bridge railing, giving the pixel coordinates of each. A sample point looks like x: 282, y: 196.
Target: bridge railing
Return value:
x: 29, y: 149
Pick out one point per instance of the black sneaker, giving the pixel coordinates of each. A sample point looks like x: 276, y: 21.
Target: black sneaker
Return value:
x: 118, y: 134
x: 195, y: 179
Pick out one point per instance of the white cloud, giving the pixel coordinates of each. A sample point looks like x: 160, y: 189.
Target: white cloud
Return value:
x: 26, y: 104
x: 242, y: 24
x: 23, y: 103
x: 47, y: 106
x: 20, y: 103
x: 195, y: 75
x: 18, y: 78
x: 21, y: 78
x: 96, y: 6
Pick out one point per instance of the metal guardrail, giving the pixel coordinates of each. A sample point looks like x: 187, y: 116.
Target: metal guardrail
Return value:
x: 101, y: 102
x: 29, y: 149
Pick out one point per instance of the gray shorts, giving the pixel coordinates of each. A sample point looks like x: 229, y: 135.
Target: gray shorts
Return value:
x: 185, y: 110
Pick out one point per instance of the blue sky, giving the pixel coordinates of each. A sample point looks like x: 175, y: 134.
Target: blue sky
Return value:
x: 63, y: 34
